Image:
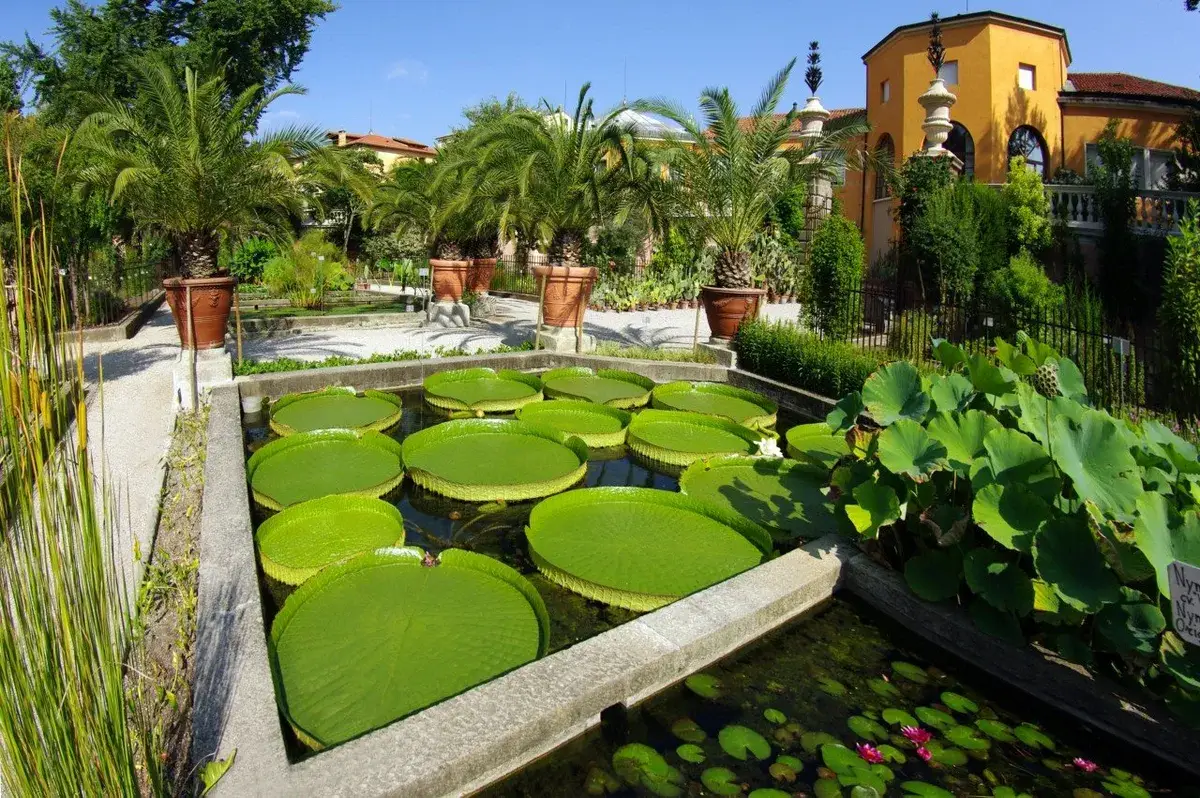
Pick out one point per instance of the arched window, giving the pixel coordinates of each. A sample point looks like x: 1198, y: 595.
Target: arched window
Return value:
x: 885, y: 151
x: 1029, y: 144
x: 962, y: 145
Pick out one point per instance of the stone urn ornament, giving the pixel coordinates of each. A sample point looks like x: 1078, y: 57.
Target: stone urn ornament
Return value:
x: 937, y: 102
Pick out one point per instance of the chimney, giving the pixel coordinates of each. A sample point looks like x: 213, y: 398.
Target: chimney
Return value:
x: 342, y: 137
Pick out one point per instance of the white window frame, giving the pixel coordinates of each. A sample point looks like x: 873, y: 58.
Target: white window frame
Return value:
x: 1027, y: 69
x: 1141, y: 163
x: 942, y: 73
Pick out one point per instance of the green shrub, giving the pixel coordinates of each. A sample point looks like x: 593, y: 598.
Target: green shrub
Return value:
x: 1180, y: 311
x: 991, y: 209
x: 1028, y: 207
x: 944, y: 244
x: 919, y: 179
x: 771, y: 263
x: 782, y: 351
x: 1022, y: 290
x: 612, y: 349
x: 250, y: 258
x: 313, y: 267
x: 836, y: 261
x: 1116, y: 197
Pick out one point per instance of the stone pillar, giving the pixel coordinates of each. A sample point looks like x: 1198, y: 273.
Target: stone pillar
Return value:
x: 818, y: 202
x: 937, y: 101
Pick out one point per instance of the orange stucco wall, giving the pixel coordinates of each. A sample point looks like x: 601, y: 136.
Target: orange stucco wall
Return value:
x: 1147, y: 127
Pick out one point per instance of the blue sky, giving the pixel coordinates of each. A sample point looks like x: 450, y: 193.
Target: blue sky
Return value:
x: 407, y: 67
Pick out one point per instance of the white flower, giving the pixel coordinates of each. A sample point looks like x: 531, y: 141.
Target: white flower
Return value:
x: 769, y: 447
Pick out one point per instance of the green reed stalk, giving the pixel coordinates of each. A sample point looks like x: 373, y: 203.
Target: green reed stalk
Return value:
x: 64, y: 617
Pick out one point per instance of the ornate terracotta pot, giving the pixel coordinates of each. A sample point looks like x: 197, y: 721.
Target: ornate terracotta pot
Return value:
x: 567, y: 291
x: 726, y: 308
x: 212, y: 297
x: 482, y: 270
x: 450, y: 279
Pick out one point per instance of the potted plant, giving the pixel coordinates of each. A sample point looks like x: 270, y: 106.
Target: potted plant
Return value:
x: 451, y: 271
x: 731, y: 174
x: 184, y: 163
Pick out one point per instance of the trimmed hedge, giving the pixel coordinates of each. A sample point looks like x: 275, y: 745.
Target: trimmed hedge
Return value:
x: 782, y: 351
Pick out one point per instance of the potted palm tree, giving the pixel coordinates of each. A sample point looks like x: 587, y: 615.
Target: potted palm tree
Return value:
x: 732, y: 173
x: 184, y: 163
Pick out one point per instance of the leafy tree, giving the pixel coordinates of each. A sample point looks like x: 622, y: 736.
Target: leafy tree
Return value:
x: 733, y: 171
x: 835, y: 269
x: 340, y: 183
x: 1186, y: 175
x: 183, y: 164
x: 415, y: 198
x: 1116, y: 197
x: 10, y: 88
x: 1028, y: 207
x: 944, y: 242
x: 1179, y: 314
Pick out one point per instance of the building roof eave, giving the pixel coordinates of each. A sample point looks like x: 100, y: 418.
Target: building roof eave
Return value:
x: 976, y: 16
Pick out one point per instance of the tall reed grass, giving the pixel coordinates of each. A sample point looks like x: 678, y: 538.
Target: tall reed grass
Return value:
x: 65, y: 725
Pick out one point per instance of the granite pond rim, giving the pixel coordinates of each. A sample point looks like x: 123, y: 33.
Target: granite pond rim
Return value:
x: 309, y: 465
x: 335, y: 408
x: 481, y: 390
x: 599, y: 426
x: 613, y: 387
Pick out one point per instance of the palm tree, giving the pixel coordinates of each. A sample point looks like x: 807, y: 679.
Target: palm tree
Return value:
x: 340, y: 184
x: 417, y: 196
x: 183, y: 162
x: 734, y: 170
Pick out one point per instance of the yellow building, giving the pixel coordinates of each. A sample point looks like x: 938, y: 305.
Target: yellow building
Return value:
x: 389, y: 150
x: 1016, y: 96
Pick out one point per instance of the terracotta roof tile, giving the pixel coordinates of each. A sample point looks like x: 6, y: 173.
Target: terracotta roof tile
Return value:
x: 834, y: 115
x: 377, y: 141
x: 1119, y: 84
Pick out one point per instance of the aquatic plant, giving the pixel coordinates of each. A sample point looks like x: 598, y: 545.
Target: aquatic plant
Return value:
x: 869, y: 753
x: 481, y: 390
x: 917, y: 736
x: 613, y: 387
x: 680, y: 438
x: 296, y: 543
x: 718, y: 399
x: 599, y: 426
x: 335, y: 408
x: 309, y: 465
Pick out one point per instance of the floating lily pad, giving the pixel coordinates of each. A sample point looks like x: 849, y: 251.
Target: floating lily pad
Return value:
x: 598, y: 426
x: 831, y: 686
x: 718, y: 399
x: 827, y: 788
x: 774, y: 716
x: 1001, y: 732
x: 304, y: 538
x: 433, y: 630
x: 919, y: 789
x: 968, y: 738
x: 721, y: 781
x: 482, y: 390
x: 640, y: 548
x: 680, y: 439
x: 741, y: 742
x: 815, y: 444
x: 768, y: 792
x: 935, y: 718
x: 483, y: 460
x: 640, y: 765
x: 704, y: 685
x: 309, y: 465
x: 811, y: 741
x: 1033, y: 737
x: 959, y: 703
x: 687, y: 729
x: 335, y: 408
x: 782, y: 495
x: 612, y: 387
x: 690, y: 752
x: 866, y: 728
x: 898, y: 717
x: 906, y: 670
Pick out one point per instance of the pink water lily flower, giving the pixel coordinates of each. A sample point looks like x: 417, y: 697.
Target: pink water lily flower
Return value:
x: 924, y: 753
x: 916, y: 735
x: 870, y: 754
x: 1086, y: 765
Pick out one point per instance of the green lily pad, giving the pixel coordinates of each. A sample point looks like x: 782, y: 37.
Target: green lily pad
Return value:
x: 782, y: 495
x: 898, y: 717
x: 883, y: 688
x: 827, y: 788
x: 816, y: 445
x: 769, y: 792
x: 1131, y: 625
x: 892, y: 754
x: 1066, y: 557
x: 612, y: 387
x: 894, y: 392
x: 721, y: 781
x: 840, y: 759
x: 967, y: 738
x: 704, y: 685
x: 949, y: 757
x: 1096, y: 456
x: 831, y: 686
x: 597, y: 425
x: 934, y: 575
x: 936, y: 718
x: 866, y: 728
x: 905, y: 448
x: 680, y: 439
x: 913, y: 673
x: 1033, y: 737
x: 485, y: 460
x: 717, y: 399
x: 639, y: 548
x: 296, y: 543
x: 959, y: 703
x: 741, y: 742
x: 335, y: 408
x: 962, y: 435
x: 998, y: 731
x: 431, y: 633
x: 600, y: 782
x: 774, y: 716
x: 640, y: 765
x: 687, y: 729
x: 792, y: 762
x: 999, y: 580
x: 309, y: 465
x: 690, y: 752
x: 811, y: 741
x: 919, y: 789
x: 481, y: 390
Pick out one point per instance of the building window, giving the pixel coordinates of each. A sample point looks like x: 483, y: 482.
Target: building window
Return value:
x: 885, y: 153
x: 1151, y: 169
x: 949, y: 72
x: 885, y: 91
x: 1027, y: 77
x: 962, y: 145
x: 1027, y: 143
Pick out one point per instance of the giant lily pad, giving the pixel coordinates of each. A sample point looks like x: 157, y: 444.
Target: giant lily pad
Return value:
x: 482, y: 390
x: 483, y: 460
x: 309, y: 465
x: 611, y: 387
x: 814, y: 443
x: 781, y: 495
x: 335, y: 408
x: 295, y: 544
x: 599, y: 426
x: 680, y: 439
x: 385, y: 634
x: 717, y: 399
x: 640, y: 548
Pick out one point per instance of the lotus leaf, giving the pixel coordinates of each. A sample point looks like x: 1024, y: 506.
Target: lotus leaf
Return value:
x: 1010, y: 514
x: 640, y: 548
x: 741, y: 743
x: 877, y: 506
x: 898, y: 717
x: 913, y: 673
x: 721, y: 781
x: 304, y: 538
x: 934, y: 575
x: 989, y: 378
x: 1131, y: 625
x: 968, y: 738
x: 1181, y: 659
x: 811, y: 741
x: 951, y: 392
x: 906, y: 448
x: 483, y: 460
x: 1164, y: 536
x: 597, y: 425
x: 309, y: 465
x: 1012, y: 357
x: 936, y: 718
x: 997, y: 623
x: 1001, y: 732
x: 704, y: 685
x: 1035, y: 409
x: 866, y: 728
x: 919, y: 789
x: 845, y: 413
x: 612, y: 387
x: 999, y: 580
x: 1016, y: 459
x: 640, y: 765
x: 482, y: 390
x: 718, y: 399
x: 690, y: 752
x: 342, y: 672
x: 1033, y: 737
x: 1174, y: 450
x: 815, y: 444
x: 781, y: 495
x: 774, y: 716
x: 1072, y: 648
x: 680, y: 439
x: 1049, y: 608
x: 1096, y: 456
x: 1066, y: 557
x: 962, y: 434
x: 950, y: 355
x: 883, y: 688
x: 894, y: 392
x: 831, y: 686
x: 335, y: 408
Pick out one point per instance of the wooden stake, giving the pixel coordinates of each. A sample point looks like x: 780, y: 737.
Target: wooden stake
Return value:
x: 537, y: 334
x: 579, y: 317
x: 696, y: 329
x: 237, y: 315
x: 192, y: 388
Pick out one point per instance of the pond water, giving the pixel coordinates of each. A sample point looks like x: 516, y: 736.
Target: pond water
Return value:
x: 436, y: 523
x: 783, y: 718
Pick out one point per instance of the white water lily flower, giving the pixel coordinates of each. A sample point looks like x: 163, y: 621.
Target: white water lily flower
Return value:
x: 769, y: 447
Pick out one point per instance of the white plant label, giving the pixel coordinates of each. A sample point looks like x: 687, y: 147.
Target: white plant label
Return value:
x: 1185, y: 600
x: 422, y: 272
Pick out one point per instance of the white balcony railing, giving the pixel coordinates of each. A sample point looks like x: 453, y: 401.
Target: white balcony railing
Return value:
x: 1155, y: 212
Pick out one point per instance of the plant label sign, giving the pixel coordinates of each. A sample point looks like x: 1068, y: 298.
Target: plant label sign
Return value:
x: 1185, y: 600
x: 422, y: 272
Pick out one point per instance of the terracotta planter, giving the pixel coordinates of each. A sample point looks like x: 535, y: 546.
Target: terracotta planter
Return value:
x: 212, y: 297
x: 567, y: 292
x: 726, y: 308
x: 482, y: 271
x: 450, y: 279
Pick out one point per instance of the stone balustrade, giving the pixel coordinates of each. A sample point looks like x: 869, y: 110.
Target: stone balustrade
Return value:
x: 1155, y: 212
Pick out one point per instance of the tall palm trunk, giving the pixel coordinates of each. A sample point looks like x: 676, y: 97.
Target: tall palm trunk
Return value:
x: 566, y: 248
x: 198, y: 253
x: 732, y: 269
